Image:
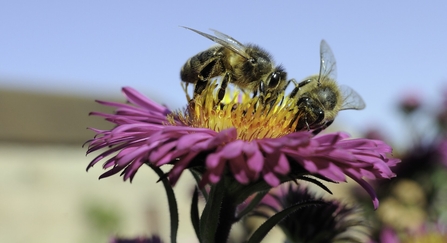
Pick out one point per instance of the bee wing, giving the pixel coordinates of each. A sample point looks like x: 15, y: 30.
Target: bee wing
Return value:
x: 328, y: 65
x: 231, y: 43
x: 225, y: 41
x: 229, y: 39
x: 351, y: 99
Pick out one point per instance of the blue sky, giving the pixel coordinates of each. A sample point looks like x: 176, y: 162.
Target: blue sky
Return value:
x: 93, y: 48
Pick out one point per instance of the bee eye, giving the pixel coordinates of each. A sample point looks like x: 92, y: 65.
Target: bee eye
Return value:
x: 274, y: 80
x: 252, y: 61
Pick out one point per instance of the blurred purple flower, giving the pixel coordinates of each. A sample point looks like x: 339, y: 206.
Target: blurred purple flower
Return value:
x: 328, y: 221
x: 442, y: 151
x: 410, y: 103
x: 147, y: 132
x: 427, y: 233
x: 387, y: 235
x: 444, y: 96
x: 441, y: 119
x: 153, y: 239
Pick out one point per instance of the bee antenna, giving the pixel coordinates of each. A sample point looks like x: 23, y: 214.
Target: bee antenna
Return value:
x: 280, y: 68
x: 319, y: 80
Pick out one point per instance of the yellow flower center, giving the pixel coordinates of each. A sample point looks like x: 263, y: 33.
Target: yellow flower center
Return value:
x: 252, y: 118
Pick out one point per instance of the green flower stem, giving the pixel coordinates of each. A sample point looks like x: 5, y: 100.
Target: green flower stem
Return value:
x: 219, y: 214
x: 227, y: 219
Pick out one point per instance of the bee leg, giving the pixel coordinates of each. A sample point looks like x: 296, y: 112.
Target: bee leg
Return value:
x: 200, y: 86
x: 282, y: 100
x: 223, y: 87
x: 295, y: 90
x: 318, y: 130
x: 300, y: 125
x: 262, y: 91
x: 285, y: 87
x: 255, y: 93
x: 265, y: 97
x: 204, y: 76
x: 307, y: 124
x: 185, y: 88
x: 297, y: 86
x: 290, y: 81
x: 324, y: 126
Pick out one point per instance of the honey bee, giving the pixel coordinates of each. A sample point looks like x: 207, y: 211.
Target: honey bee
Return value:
x: 320, y: 98
x: 249, y: 67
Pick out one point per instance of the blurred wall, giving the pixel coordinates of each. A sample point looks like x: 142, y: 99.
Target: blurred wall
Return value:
x: 45, y: 193
x: 47, y: 118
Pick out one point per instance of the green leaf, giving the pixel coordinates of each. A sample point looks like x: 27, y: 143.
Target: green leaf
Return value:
x: 263, y: 230
x: 195, y: 213
x: 173, y: 209
x: 211, y: 213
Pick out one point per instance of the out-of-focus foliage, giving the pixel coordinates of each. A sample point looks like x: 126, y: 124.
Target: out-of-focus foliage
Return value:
x: 413, y: 205
x: 103, y: 220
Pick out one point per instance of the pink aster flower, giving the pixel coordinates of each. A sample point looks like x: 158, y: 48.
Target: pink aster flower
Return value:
x: 238, y: 138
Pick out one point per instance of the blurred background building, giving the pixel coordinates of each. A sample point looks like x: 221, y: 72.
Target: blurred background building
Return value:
x: 46, y: 195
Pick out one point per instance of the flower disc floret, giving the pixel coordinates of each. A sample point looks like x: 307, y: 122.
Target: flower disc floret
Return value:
x: 252, y: 118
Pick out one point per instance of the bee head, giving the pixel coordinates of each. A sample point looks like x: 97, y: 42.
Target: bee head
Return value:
x: 310, y: 115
